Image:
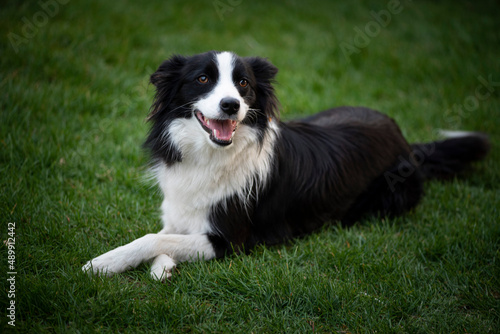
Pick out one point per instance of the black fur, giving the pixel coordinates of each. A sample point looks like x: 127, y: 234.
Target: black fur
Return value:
x: 338, y: 165
x: 451, y: 156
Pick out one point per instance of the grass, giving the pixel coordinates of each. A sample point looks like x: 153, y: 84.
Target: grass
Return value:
x: 74, y: 97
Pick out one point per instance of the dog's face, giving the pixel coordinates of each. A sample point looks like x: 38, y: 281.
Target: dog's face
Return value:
x: 225, y: 96
x: 220, y: 92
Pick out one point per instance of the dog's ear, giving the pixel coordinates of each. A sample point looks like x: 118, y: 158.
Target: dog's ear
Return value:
x: 264, y: 73
x: 168, y: 70
x: 262, y: 68
x: 166, y: 80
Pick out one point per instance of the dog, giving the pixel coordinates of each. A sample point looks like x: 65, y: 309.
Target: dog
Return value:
x: 234, y: 176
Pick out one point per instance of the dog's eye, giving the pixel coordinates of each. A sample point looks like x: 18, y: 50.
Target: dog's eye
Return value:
x: 203, y: 79
x: 243, y: 83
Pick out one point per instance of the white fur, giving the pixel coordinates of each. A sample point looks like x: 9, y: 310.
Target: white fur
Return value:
x: 162, y: 267
x: 179, y: 247
x: 207, y: 175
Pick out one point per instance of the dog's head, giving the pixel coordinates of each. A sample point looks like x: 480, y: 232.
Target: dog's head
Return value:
x: 219, y: 91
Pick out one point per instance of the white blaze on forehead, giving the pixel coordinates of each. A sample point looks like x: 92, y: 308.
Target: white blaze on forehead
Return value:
x: 225, y: 65
x: 209, y: 106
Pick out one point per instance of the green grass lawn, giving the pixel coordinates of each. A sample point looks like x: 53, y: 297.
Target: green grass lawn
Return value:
x: 74, y: 96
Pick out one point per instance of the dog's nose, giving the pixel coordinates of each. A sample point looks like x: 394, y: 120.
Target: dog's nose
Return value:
x: 230, y: 105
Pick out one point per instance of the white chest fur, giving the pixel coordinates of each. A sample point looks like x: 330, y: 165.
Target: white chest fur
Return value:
x: 207, y: 175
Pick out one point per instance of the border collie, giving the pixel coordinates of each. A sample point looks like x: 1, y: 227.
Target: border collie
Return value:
x: 234, y: 176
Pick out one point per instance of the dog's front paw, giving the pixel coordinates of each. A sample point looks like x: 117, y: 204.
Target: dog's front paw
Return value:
x: 97, y: 268
x: 108, y: 264
x: 162, y: 268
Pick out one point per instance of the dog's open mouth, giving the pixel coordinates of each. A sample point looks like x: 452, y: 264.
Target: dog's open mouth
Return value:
x: 221, y: 130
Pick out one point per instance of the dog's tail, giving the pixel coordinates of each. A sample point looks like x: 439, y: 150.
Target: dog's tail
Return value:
x: 446, y: 158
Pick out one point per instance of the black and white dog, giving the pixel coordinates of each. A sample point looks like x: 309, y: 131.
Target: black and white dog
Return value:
x: 234, y: 176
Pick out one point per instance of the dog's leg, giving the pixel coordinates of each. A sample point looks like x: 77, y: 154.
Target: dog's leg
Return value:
x: 176, y: 247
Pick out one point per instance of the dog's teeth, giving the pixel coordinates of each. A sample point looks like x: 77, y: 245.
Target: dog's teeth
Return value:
x: 207, y: 121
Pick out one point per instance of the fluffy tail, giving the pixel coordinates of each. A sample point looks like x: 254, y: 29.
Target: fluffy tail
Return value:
x: 446, y: 158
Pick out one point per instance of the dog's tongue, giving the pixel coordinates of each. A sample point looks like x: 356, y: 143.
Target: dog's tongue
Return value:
x: 222, y: 130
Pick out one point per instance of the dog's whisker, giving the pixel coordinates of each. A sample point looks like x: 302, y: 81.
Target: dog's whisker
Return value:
x: 184, y: 105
